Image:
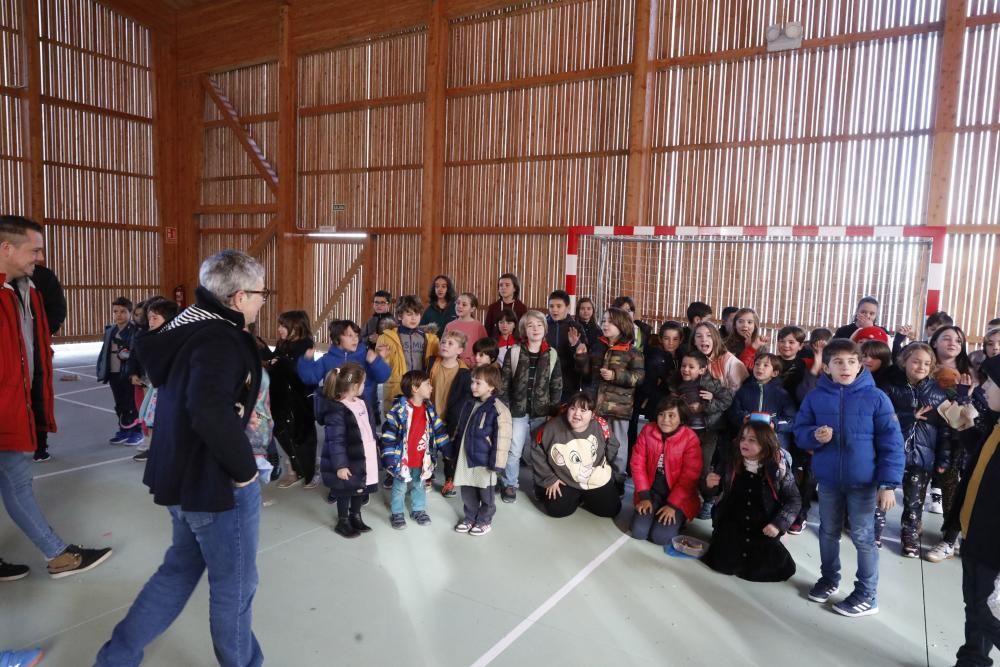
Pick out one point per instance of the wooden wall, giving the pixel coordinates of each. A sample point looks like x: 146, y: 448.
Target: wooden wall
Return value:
x: 78, y: 149
x: 465, y: 135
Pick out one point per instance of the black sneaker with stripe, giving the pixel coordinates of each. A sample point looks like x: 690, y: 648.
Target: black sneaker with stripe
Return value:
x: 822, y: 590
x: 856, y: 604
x: 12, y: 572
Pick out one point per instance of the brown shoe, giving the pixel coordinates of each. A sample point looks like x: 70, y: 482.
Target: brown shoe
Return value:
x: 76, y: 559
x: 289, y: 481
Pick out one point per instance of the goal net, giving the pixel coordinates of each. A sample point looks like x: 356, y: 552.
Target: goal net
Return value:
x: 809, y: 281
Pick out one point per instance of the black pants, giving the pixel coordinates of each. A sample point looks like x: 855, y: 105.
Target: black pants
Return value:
x: 301, y: 450
x: 351, y: 504
x: 449, y: 468
x: 802, y: 463
x: 982, y: 629
x: 603, y: 501
x: 124, y: 394
x: 42, y: 443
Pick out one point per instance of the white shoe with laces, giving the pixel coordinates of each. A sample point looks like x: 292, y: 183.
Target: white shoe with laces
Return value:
x: 941, y: 551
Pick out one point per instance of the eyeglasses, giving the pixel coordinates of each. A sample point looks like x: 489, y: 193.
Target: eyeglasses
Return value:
x: 381, y: 302
x: 265, y: 293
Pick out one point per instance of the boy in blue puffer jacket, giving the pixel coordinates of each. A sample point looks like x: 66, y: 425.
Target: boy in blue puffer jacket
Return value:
x: 858, y: 460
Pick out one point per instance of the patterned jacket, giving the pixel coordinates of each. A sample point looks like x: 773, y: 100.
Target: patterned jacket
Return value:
x: 547, y: 389
x: 615, y: 396
x: 396, y: 434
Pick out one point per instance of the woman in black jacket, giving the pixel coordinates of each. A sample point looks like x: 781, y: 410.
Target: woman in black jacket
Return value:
x: 291, y: 400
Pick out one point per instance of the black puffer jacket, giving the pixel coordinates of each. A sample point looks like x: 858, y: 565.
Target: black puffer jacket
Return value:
x: 291, y: 399
x: 343, y: 448
x: 924, y: 440
x: 546, y: 392
x: 782, y: 501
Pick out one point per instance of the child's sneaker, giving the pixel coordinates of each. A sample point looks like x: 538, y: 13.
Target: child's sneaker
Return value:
x: 448, y: 490
x: 387, y: 482
x: 479, y: 531
x: 141, y: 456
x: 934, y: 506
x: 119, y: 437
x: 822, y: 590
x: 856, y: 605
x: 421, y: 518
x: 706, y: 510
x: 941, y: 551
x: 42, y: 457
x: 290, y: 480
x: 76, y: 559
x: 508, y: 495
x: 397, y: 521
x: 463, y: 527
x: 313, y: 483
x: 797, y: 527
x: 28, y: 658
x: 12, y: 572
x: 134, y: 439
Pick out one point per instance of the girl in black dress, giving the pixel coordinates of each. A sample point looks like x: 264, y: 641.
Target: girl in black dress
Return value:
x: 759, y: 500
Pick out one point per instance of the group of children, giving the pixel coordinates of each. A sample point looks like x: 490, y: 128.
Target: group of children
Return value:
x: 735, y: 432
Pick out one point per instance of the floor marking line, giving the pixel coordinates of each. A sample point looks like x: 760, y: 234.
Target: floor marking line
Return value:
x: 546, y: 606
x: 71, y: 372
x: 86, y: 467
x: 290, y: 539
x: 42, y: 640
x: 86, y: 405
x: 80, y: 391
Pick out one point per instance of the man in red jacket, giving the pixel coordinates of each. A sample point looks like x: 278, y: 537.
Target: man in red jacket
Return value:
x: 25, y: 344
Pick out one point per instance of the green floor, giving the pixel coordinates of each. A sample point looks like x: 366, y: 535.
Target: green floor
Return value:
x: 527, y: 594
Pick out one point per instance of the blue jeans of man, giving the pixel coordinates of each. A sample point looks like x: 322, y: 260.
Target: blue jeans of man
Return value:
x: 224, y: 543
x: 858, y: 504
x: 521, y: 430
x: 418, y: 494
x: 19, y: 500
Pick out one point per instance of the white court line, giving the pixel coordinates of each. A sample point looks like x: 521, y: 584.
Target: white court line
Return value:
x: 92, y: 465
x: 546, y: 606
x: 63, y: 370
x: 80, y: 391
x: 86, y: 405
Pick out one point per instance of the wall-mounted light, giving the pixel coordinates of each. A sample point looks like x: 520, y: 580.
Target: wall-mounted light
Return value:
x: 784, y: 36
x: 338, y: 235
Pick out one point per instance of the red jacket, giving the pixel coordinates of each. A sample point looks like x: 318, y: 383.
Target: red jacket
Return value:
x: 681, y: 464
x: 17, y: 428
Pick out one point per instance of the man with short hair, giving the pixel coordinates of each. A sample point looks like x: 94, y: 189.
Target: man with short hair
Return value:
x: 208, y: 372
x: 26, y: 347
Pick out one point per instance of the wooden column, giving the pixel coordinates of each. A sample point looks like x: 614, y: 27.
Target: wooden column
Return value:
x: 33, y: 109
x: 949, y: 77
x: 190, y: 112
x: 165, y: 155
x: 291, y: 247
x: 637, y: 179
x: 436, y: 78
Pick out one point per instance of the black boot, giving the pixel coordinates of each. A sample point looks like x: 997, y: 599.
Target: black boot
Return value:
x: 358, y: 524
x: 345, y: 529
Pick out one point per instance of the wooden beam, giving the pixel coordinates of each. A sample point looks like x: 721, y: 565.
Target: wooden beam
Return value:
x: 262, y: 239
x: 949, y: 78
x: 190, y: 113
x: 90, y: 108
x: 13, y: 91
x: 249, y: 119
x: 343, y: 284
x: 33, y: 117
x: 291, y: 270
x: 235, y: 209
x: 436, y: 81
x: 807, y: 44
x: 640, y: 127
x: 360, y: 105
x: 230, y: 115
x: 538, y: 81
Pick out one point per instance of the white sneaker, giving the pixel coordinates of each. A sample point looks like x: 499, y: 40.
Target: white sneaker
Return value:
x: 934, y: 505
x: 941, y: 551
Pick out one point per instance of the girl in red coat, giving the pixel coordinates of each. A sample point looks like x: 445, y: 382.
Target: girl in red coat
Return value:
x: 666, y: 467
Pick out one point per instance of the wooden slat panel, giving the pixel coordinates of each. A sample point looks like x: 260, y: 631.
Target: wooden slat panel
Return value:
x: 330, y: 261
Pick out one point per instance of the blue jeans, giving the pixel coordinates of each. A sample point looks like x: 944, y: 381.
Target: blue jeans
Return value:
x: 521, y: 430
x: 858, y: 503
x: 418, y: 494
x: 19, y: 500
x: 224, y: 543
